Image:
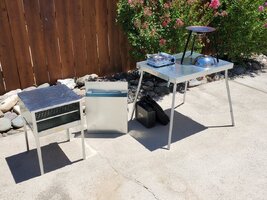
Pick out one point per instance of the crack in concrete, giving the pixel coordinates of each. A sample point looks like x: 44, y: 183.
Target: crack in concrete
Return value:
x: 130, y: 178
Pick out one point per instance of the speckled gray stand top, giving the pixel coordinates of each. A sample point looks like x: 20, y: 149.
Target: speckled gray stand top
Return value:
x: 46, y: 97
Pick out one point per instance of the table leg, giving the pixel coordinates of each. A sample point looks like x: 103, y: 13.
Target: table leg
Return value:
x: 137, y: 92
x: 39, y: 152
x: 229, y: 97
x: 185, y: 89
x: 68, y: 134
x: 172, y: 114
x: 82, y: 132
x: 26, y: 135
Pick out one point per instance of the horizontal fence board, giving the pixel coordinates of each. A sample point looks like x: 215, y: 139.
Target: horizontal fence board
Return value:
x: 7, y: 52
x: 20, y: 42
x: 36, y: 40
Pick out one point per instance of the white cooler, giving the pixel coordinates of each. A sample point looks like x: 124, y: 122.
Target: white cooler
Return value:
x: 106, y: 107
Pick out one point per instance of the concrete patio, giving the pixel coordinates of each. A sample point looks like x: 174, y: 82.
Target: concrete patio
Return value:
x: 208, y: 159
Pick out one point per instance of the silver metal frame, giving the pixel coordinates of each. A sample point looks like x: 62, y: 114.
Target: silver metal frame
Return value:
x: 224, y: 66
x: 37, y: 134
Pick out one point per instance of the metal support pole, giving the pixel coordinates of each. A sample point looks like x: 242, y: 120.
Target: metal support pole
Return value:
x: 39, y: 152
x: 172, y: 114
x: 193, y: 45
x: 215, y: 40
x: 82, y: 131
x: 186, y: 45
x: 185, y: 89
x: 229, y: 97
x: 26, y: 134
x: 137, y: 92
x: 68, y: 134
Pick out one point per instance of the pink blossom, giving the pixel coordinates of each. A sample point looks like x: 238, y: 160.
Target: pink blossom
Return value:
x: 164, y: 23
x: 137, y: 23
x: 265, y: 25
x: 261, y: 8
x: 145, y: 25
x: 167, y: 5
x: 190, y: 2
x: 224, y: 13
x: 265, y: 4
x: 162, y: 42
x: 130, y: 1
x: 214, y: 4
x: 147, y: 11
x: 179, y: 23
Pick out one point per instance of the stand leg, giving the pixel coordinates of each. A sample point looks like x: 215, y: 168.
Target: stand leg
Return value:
x: 172, y: 114
x: 68, y: 134
x: 193, y: 45
x: 186, y: 45
x: 137, y: 92
x: 82, y: 132
x: 215, y: 39
x: 26, y: 135
x: 229, y: 97
x: 185, y: 89
x: 39, y: 152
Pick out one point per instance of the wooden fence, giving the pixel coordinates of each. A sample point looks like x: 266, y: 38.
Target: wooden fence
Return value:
x: 45, y: 40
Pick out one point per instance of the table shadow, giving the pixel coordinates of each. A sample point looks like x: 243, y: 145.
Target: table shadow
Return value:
x: 25, y: 165
x: 157, y: 137
x: 99, y: 134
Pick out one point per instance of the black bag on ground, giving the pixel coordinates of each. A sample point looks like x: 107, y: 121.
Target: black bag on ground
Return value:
x: 160, y: 114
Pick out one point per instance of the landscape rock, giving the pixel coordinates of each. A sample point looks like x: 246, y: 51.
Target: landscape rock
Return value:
x: 81, y: 81
x: 8, y: 94
x: 162, y: 84
x: 10, y: 115
x: 256, y: 66
x: 1, y: 114
x: 149, y: 83
x: 16, y: 109
x: 29, y: 88
x: 238, y: 70
x: 80, y: 92
x: 194, y: 82
x: 44, y: 85
x: 147, y: 88
x: 9, y: 103
x: 69, y: 82
x: 134, y: 82
x: 162, y: 90
x: 18, y: 122
x: 92, y: 77
x: 5, y: 124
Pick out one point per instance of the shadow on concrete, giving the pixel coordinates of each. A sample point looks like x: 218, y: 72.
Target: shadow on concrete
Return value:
x: 25, y: 166
x: 100, y: 134
x: 157, y: 137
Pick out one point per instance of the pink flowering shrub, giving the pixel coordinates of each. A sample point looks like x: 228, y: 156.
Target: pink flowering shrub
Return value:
x: 243, y: 31
x: 159, y: 25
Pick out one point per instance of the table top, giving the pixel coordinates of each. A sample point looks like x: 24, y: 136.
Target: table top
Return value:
x: 178, y: 73
x: 47, y: 97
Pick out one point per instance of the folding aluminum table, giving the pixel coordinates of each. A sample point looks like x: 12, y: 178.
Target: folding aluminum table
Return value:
x: 178, y: 73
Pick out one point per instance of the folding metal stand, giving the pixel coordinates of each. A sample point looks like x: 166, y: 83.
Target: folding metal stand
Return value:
x: 197, y: 30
